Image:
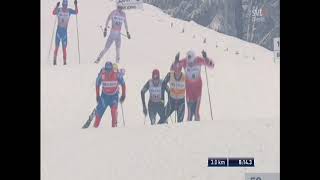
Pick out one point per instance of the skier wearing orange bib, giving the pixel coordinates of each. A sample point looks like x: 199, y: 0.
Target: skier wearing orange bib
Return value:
x: 177, y: 87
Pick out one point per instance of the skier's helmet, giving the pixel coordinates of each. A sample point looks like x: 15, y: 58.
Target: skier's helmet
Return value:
x: 65, y: 3
x: 155, y: 74
x: 191, y: 56
x: 109, y: 66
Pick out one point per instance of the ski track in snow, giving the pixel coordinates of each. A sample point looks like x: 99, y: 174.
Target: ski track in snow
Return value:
x: 244, y: 93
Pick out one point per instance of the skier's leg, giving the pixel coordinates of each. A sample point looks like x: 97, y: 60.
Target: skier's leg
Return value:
x: 64, y: 47
x: 57, y: 43
x: 118, y: 46
x: 114, y: 109
x: 191, y: 109
x: 106, y: 47
x: 180, y: 110
x: 161, y: 112
x: 114, y: 115
x: 101, y: 108
x: 169, y: 108
x: 189, y: 117
x: 189, y: 97
x: 152, y: 113
x: 197, y: 107
x: 198, y: 94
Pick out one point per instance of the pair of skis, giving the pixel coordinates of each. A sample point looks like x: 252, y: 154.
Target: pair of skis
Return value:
x: 93, y: 114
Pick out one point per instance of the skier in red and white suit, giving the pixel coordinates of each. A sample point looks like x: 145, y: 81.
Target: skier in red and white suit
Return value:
x: 109, y: 80
x: 192, y: 66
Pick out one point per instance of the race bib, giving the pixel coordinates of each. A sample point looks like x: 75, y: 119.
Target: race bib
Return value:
x: 155, y: 93
x: 177, y: 85
x: 117, y: 20
x: 109, y: 84
x: 193, y: 72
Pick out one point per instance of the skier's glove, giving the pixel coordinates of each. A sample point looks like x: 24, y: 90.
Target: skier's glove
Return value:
x: 176, y: 58
x: 145, y: 112
x: 128, y: 35
x: 210, y: 63
x: 204, y: 54
x: 122, y: 98
x: 58, y: 4
x: 98, y: 98
x: 162, y: 102
x: 105, y: 32
x: 75, y: 2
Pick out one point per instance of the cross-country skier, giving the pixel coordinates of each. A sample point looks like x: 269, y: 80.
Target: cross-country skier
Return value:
x: 117, y: 17
x: 192, y: 66
x: 156, y: 100
x: 63, y: 15
x: 110, y: 81
x: 176, y: 101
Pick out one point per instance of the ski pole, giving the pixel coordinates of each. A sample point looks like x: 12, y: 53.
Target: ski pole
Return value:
x: 122, y: 115
x: 78, y: 37
x: 101, y: 29
x: 205, y: 68
x: 53, y: 32
x: 145, y: 117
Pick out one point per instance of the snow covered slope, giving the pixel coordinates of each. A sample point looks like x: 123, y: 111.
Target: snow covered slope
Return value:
x: 244, y: 92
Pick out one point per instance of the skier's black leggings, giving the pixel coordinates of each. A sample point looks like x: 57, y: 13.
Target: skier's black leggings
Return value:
x: 155, y: 108
x: 177, y: 105
x: 192, y: 108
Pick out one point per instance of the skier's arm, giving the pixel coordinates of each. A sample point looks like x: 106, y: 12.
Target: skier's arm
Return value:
x: 183, y: 62
x: 73, y: 11
x: 165, y: 82
x: 125, y: 23
x: 167, y: 89
x: 76, y: 6
x: 98, y: 83
x: 55, y: 10
x: 143, y: 91
x: 108, y: 19
x: 162, y: 92
x: 206, y: 62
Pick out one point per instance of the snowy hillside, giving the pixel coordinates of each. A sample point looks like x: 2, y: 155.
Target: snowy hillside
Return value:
x: 244, y: 91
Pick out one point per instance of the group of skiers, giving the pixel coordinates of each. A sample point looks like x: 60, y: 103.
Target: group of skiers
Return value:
x: 181, y: 87
x: 117, y: 17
